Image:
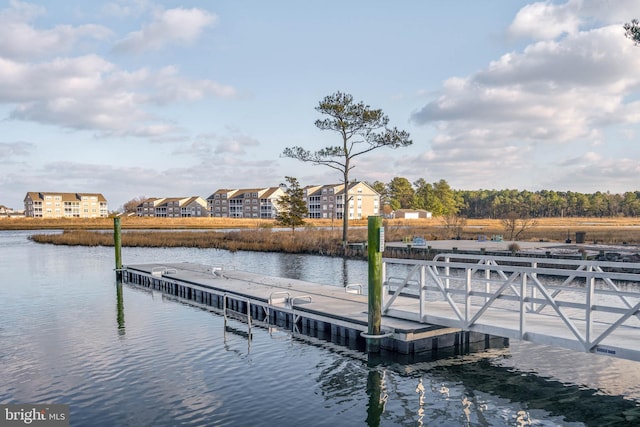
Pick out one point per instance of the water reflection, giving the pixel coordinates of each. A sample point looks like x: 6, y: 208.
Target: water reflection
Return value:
x: 574, y: 403
x: 454, y: 382
x: 377, y: 396
x: 245, y: 335
x: 291, y: 266
x: 420, y: 391
x: 119, y: 306
x: 329, y: 271
x: 345, y: 272
x: 180, y: 365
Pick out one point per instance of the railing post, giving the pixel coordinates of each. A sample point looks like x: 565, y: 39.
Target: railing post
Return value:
x: 385, y: 288
x: 590, y: 284
x: 446, y: 272
x: 467, y: 297
x: 534, y: 290
x: 523, y: 307
x: 423, y: 293
x: 487, y: 284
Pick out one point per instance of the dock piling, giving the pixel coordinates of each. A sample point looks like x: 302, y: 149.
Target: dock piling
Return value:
x: 375, y: 249
x: 117, y: 243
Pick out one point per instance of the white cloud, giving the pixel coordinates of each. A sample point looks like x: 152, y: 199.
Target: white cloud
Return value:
x: 209, y: 147
x: 548, y: 20
x: 573, y: 89
x: 172, y: 26
x: 590, y: 170
x: 21, y: 11
x: 236, y: 144
x: 20, y: 40
x: 11, y: 150
x: 91, y: 93
x: 127, y: 8
x: 170, y: 86
x: 552, y: 92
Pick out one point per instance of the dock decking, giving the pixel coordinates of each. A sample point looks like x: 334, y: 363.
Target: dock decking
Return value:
x: 303, y: 307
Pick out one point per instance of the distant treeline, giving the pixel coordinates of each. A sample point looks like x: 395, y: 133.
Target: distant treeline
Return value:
x: 440, y: 199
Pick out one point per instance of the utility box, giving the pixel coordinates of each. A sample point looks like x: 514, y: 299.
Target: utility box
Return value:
x: 580, y: 236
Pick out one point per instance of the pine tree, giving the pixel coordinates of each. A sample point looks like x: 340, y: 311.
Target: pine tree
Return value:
x: 292, y: 209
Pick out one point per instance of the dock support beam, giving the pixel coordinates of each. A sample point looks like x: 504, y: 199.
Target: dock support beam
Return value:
x: 117, y: 243
x: 375, y: 248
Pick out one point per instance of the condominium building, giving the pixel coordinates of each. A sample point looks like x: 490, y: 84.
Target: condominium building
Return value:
x: 173, y: 207
x: 245, y: 203
x: 323, y: 202
x: 332, y: 201
x: 65, y: 205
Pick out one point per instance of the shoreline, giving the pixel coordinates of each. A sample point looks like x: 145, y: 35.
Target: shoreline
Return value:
x: 327, y: 243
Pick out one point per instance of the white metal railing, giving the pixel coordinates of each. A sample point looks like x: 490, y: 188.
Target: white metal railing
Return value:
x: 353, y: 288
x: 159, y: 271
x: 585, y: 305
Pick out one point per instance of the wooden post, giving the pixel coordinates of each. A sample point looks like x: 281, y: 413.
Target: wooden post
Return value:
x: 117, y: 242
x: 375, y: 249
x: 119, y: 307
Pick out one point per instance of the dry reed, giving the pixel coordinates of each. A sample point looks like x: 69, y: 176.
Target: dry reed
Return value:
x: 317, y: 237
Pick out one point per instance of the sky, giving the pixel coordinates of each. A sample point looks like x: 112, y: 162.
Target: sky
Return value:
x: 181, y: 98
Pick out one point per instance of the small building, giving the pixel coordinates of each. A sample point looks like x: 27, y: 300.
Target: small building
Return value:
x: 173, y: 207
x: 411, y: 214
x: 65, y: 205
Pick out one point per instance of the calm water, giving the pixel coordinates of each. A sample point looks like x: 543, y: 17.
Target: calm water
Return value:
x: 163, y: 363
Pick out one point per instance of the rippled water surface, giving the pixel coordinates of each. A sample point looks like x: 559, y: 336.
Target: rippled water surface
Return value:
x: 146, y: 360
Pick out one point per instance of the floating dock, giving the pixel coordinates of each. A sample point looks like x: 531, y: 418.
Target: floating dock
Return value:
x: 315, y: 310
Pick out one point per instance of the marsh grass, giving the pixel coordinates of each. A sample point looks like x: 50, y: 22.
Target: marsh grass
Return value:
x: 133, y: 222
x: 316, y: 237
x: 262, y: 240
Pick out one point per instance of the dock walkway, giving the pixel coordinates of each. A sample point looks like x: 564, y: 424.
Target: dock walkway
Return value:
x: 301, y: 306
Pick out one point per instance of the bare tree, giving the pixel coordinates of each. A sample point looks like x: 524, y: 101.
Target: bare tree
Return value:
x: 361, y: 128
x: 131, y: 205
x: 454, y: 224
x: 514, y: 225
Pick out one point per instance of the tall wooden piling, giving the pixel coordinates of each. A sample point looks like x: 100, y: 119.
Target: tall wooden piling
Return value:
x: 375, y: 249
x: 119, y: 307
x: 117, y: 243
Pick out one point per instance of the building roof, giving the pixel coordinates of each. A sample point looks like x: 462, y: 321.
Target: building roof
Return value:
x: 66, y: 197
x: 337, y: 188
x: 163, y: 201
x: 226, y: 191
x: 270, y: 192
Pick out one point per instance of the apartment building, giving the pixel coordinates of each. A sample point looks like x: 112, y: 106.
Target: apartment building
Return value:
x: 65, y: 205
x: 173, y: 207
x: 332, y: 201
x: 245, y: 203
x: 323, y: 202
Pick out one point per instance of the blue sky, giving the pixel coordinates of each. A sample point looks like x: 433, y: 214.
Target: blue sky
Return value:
x: 164, y: 98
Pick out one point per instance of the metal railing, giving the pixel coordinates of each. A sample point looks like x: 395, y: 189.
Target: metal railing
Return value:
x: 585, y: 305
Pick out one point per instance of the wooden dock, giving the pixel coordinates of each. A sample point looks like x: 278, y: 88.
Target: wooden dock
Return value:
x: 305, y: 308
